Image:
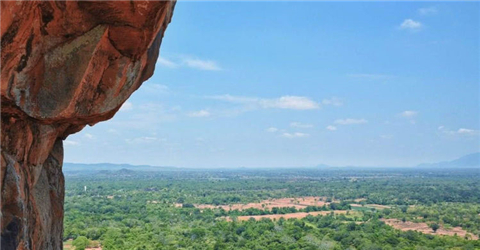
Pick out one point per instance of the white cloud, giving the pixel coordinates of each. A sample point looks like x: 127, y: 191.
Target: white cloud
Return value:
x: 154, y: 88
x: 386, y: 137
x: 409, y: 113
x: 144, y: 139
x: 300, y: 125
x: 350, y: 121
x: 466, y: 131
x: 409, y: 24
x: 70, y: 143
x: 294, y: 135
x: 332, y: 101
x: 147, y: 117
x: 89, y: 136
x: 190, y: 62
x: 201, y: 64
x: 331, y: 128
x: 272, y: 130
x: 200, y: 113
x: 234, y: 99
x: 428, y: 11
x: 459, y: 132
x: 290, y: 102
x: 284, y: 102
x: 126, y: 106
x: 167, y: 63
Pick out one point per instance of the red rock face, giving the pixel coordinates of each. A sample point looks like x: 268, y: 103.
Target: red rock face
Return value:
x: 64, y: 64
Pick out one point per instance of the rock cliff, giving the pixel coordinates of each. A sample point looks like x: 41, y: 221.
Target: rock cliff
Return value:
x: 64, y: 64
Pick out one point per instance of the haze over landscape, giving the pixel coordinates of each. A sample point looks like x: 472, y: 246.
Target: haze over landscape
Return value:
x: 301, y: 84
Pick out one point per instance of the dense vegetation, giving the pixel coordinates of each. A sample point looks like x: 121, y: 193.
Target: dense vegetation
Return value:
x: 136, y: 210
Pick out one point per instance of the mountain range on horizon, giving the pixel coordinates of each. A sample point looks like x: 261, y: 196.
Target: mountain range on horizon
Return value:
x: 466, y: 161
x: 112, y: 167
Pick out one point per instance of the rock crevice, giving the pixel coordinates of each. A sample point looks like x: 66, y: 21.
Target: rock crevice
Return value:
x: 64, y: 65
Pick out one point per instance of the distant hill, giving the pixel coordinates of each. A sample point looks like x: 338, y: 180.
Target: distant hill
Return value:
x: 121, y: 172
x: 467, y: 161
x: 70, y: 167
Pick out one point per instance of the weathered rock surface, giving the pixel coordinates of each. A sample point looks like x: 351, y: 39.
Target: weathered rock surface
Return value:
x: 64, y: 64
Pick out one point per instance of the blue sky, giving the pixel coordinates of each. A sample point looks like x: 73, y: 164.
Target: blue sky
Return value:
x: 286, y: 84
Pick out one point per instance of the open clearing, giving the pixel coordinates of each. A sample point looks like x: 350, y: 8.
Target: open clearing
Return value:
x: 424, y: 228
x: 376, y: 206
x: 287, y: 216
x: 94, y: 245
x: 298, y: 203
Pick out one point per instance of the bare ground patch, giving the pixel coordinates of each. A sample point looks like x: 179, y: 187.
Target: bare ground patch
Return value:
x: 360, y: 199
x: 376, y: 206
x: 424, y: 228
x: 286, y: 216
x: 298, y: 203
x: 94, y: 245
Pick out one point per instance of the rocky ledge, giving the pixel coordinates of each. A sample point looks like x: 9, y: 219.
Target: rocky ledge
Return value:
x: 64, y: 65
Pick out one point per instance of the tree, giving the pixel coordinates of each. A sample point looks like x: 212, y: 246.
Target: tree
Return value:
x: 187, y: 205
x: 180, y: 200
x: 435, y: 227
x: 80, y: 243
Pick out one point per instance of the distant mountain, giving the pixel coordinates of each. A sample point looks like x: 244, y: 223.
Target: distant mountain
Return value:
x: 70, y: 167
x: 121, y: 172
x: 467, y: 161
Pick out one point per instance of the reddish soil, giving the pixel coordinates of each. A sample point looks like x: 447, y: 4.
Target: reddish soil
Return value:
x: 287, y: 216
x: 298, y: 203
x: 424, y: 228
x: 95, y: 245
